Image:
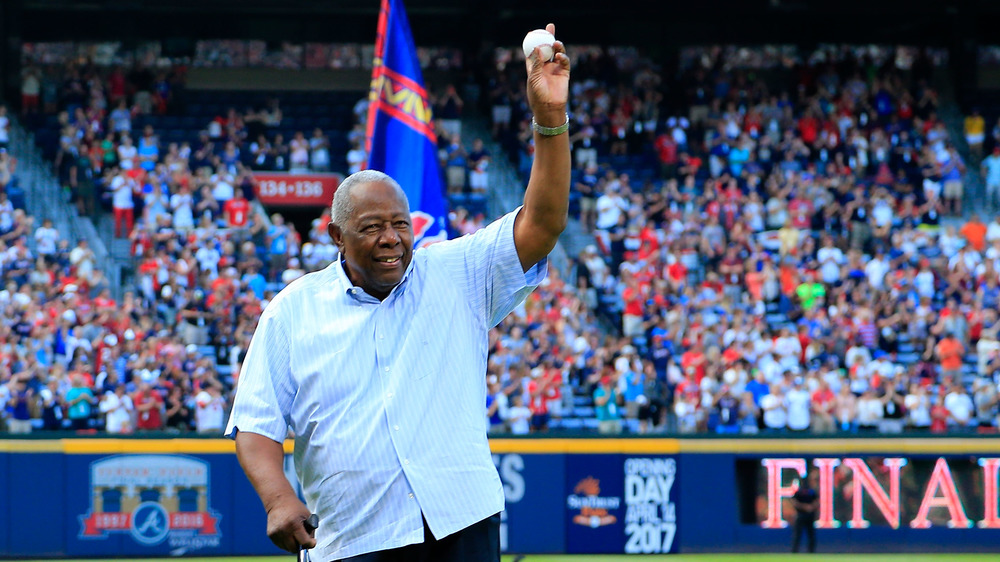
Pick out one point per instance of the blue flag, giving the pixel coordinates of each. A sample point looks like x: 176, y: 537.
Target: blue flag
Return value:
x: 400, y: 138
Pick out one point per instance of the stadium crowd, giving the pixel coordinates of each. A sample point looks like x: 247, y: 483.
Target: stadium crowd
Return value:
x: 765, y: 259
x: 776, y: 259
x: 206, y: 262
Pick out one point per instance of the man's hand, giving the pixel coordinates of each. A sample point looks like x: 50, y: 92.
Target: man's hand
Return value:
x: 548, y: 84
x: 286, y: 525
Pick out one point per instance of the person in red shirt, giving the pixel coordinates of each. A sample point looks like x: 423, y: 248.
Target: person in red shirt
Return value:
x: 801, y: 212
x: 949, y: 352
x: 676, y: 274
x: 823, y: 403
x: 104, y: 302
x: 236, y: 211
x: 666, y: 149
x: 975, y: 232
x: 694, y: 358
x: 632, y: 315
x: 809, y: 128
x: 939, y: 414
x: 148, y: 406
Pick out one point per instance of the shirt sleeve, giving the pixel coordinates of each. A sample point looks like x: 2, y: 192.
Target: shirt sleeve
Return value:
x: 486, y: 266
x: 264, y: 391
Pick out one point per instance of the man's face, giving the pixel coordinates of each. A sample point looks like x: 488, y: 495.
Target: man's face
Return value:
x: 377, y: 241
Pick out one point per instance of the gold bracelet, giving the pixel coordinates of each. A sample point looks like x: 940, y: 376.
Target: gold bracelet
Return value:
x: 550, y: 131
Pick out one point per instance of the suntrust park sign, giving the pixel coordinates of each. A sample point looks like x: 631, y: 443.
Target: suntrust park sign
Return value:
x: 915, y: 492
x: 621, y: 504
x: 313, y: 190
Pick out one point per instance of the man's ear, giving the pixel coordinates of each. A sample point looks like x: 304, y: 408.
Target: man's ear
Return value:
x: 336, y: 234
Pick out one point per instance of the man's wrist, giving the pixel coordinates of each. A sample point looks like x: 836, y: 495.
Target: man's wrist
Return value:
x: 551, y: 117
x: 550, y: 131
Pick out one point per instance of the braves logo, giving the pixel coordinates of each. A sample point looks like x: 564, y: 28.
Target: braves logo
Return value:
x: 149, y: 523
x: 422, y: 224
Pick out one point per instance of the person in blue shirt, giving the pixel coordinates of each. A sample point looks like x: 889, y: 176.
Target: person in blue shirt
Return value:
x: 758, y: 387
x: 79, y: 401
x: 378, y: 365
x: 606, y: 407
x: 255, y: 282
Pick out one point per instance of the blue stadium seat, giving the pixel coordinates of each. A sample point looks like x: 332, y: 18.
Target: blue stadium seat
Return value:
x: 572, y: 424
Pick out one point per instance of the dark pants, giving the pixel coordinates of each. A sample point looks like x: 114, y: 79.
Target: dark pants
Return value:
x: 479, y: 542
x: 804, y: 523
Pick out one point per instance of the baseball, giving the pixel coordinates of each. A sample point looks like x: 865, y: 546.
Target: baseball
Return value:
x: 539, y: 38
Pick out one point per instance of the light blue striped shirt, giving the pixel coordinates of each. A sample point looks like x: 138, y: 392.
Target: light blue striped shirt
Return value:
x: 387, y: 399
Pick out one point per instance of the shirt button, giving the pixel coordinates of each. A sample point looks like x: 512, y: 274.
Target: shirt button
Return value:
x: 388, y: 395
x: 387, y: 369
x: 396, y: 427
x: 410, y: 496
x: 406, y: 461
x: 381, y: 337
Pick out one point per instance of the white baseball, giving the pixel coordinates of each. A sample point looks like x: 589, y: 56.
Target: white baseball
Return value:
x: 539, y: 38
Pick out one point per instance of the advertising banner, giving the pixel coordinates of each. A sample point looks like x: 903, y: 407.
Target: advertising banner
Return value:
x: 917, y: 492
x: 300, y: 190
x: 621, y: 504
x: 534, y: 519
x: 81, y: 498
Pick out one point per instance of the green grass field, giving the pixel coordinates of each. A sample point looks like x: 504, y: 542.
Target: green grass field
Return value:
x: 648, y: 558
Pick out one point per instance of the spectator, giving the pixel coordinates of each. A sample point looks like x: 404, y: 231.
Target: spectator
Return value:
x: 893, y: 409
x: 31, y: 87
x: 975, y: 132
x: 727, y: 409
x: 985, y: 400
x: 606, y: 404
x: 799, y: 405
x: 356, y: 157
x: 775, y: 409
x: 19, y: 404
x: 236, y: 213
x: 177, y: 412
x: 298, y: 156
x: 123, y: 189
x: 210, y: 409
x: 960, y: 408
x: 455, y: 162
x: 940, y: 415
x: 991, y: 173
x: 497, y: 409
x: 824, y: 403
x: 918, y: 407
x: 952, y: 169
x: 870, y: 411
x: 148, y: 406
x: 319, y: 151
x: 117, y: 408
x: 479, y: 160
x: 448, y: 111
x: 949, y: 352
x: 519, y: 416
x: 79, y: 400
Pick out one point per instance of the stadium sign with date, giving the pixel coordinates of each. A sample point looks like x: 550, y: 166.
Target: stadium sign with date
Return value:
x: 153, y: 499
x: 621, y: 504
x: 301, y: 190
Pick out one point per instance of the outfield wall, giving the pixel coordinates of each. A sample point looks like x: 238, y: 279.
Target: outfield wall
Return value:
x: 157, y: 497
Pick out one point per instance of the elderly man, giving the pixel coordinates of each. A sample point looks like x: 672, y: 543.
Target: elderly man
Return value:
x: 360, y: 359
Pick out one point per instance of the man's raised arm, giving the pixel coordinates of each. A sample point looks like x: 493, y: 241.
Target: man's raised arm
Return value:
x: 546, y: 200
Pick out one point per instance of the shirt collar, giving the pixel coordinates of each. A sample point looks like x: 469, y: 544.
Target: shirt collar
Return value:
x: 350, y: 289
